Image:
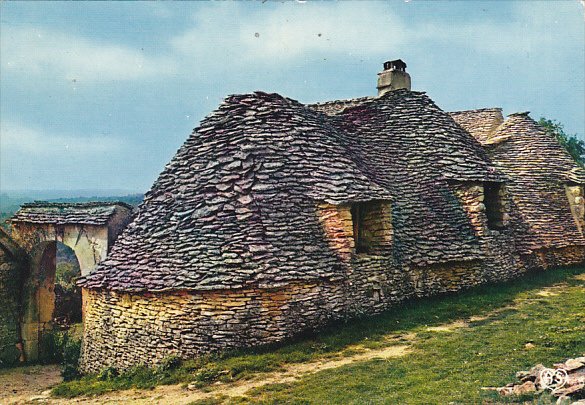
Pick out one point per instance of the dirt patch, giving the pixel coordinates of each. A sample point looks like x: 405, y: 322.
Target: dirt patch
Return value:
x: 493, y: 314
x: 448, y: 327
x: 580, y: 277
x: 545, y: 293
x: 177, y: 394
x: 19, y: 385
x: 551, y: 291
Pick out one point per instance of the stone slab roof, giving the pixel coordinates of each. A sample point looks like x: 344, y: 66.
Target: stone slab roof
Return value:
x: 90, y: 213
x: 538, y: 168
x: 481, y: 123
x: 337, y: 106
x: 236, y: 206
x: 414, y: 149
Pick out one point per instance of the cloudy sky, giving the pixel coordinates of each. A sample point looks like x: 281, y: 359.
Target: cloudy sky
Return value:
x: 100, y: 95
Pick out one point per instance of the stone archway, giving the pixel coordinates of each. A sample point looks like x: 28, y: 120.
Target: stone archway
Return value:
x: 87, y: 229
x: 38, y: 298
x: 44, y: 304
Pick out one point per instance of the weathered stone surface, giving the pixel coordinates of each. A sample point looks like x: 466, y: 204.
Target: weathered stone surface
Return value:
x: 12, y: 262
x: 249, y: 236
x: 545, y: 183
x: 89, y: 229
x: 274, y: 160
x: 90, y: 213
x: 480, y: 123
x: 569, y: 384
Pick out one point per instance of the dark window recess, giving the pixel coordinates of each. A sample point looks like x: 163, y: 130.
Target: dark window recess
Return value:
x: 368, y: 227
x: 372, y: 227
x: 494, y: 205
x: 358, y: 216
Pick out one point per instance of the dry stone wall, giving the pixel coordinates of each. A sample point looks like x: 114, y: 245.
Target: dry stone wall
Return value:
x: 126, y: 329
x: 230, y: 248
x: 572, y: 255
x: 577, y: 202
x: 9, y: 309
x: 123, y: 330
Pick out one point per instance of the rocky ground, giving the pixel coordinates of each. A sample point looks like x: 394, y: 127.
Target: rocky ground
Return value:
x: 565, y: 381
x: 26, y: 384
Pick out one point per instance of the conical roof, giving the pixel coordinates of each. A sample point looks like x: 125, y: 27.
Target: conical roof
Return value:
x: 538, y: 168
x: 415, y: 150
x: 237, y: 204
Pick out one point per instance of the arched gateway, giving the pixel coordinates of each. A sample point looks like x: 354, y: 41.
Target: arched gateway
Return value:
x: 83, y: 232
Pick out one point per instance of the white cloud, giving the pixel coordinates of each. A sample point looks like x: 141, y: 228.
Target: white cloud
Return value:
x: 17, y: 139
x: 37, y: 51
x: 532, y: 26
x: 225, y: 37
x: 222, y: 38
x: 291, y: 30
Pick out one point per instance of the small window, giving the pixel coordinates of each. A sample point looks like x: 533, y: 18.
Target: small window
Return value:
x: 372, y: 227
x: 360, y: 233
x: 494, y: 205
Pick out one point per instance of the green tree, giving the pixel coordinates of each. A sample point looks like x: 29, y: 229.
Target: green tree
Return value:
x: 573, y: 145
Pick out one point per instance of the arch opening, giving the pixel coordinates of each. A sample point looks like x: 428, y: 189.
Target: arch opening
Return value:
x: 51, y: 300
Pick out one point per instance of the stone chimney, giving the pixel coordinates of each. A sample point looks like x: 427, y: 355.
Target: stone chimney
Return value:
x: 393, y: 77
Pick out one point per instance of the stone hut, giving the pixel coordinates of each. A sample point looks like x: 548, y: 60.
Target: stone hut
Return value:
x: 545, y: 184
x: 276, y: 217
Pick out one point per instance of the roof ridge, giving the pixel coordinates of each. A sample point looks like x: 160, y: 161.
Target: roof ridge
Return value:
x: 344, y: 100
x: 365, y: 98
x: 520, y: 114
x: 88, y: 204
x: 476, y: 110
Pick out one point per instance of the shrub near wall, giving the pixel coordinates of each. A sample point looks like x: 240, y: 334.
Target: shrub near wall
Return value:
x: 9, y: 288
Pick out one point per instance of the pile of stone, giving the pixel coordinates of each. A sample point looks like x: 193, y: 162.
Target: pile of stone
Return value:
x: 565, y: 381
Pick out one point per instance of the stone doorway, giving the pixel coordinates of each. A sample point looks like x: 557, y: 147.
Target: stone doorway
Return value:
x: 50, y: 299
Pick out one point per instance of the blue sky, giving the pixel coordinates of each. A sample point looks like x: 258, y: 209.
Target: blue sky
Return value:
x: 100, y: 95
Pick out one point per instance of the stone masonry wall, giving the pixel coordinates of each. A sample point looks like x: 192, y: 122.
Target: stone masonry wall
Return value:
x: 122, y: 330
x: 569, y: 256
x: 89, y: 242
x: 9, y: 309
x: 577, y: 202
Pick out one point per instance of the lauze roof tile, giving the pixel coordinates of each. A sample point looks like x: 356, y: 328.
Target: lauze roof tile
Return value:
x: 237, y: 205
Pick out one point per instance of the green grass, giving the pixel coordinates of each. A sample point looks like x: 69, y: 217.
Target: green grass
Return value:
x: 442, y: 367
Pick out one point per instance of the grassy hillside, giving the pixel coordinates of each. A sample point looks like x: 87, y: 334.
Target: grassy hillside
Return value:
x: 454, y: 346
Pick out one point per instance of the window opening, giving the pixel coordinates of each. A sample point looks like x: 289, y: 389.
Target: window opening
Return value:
x: 494, y: 205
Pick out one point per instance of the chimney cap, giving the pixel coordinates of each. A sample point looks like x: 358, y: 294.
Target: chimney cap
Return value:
x: 397, y: 64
